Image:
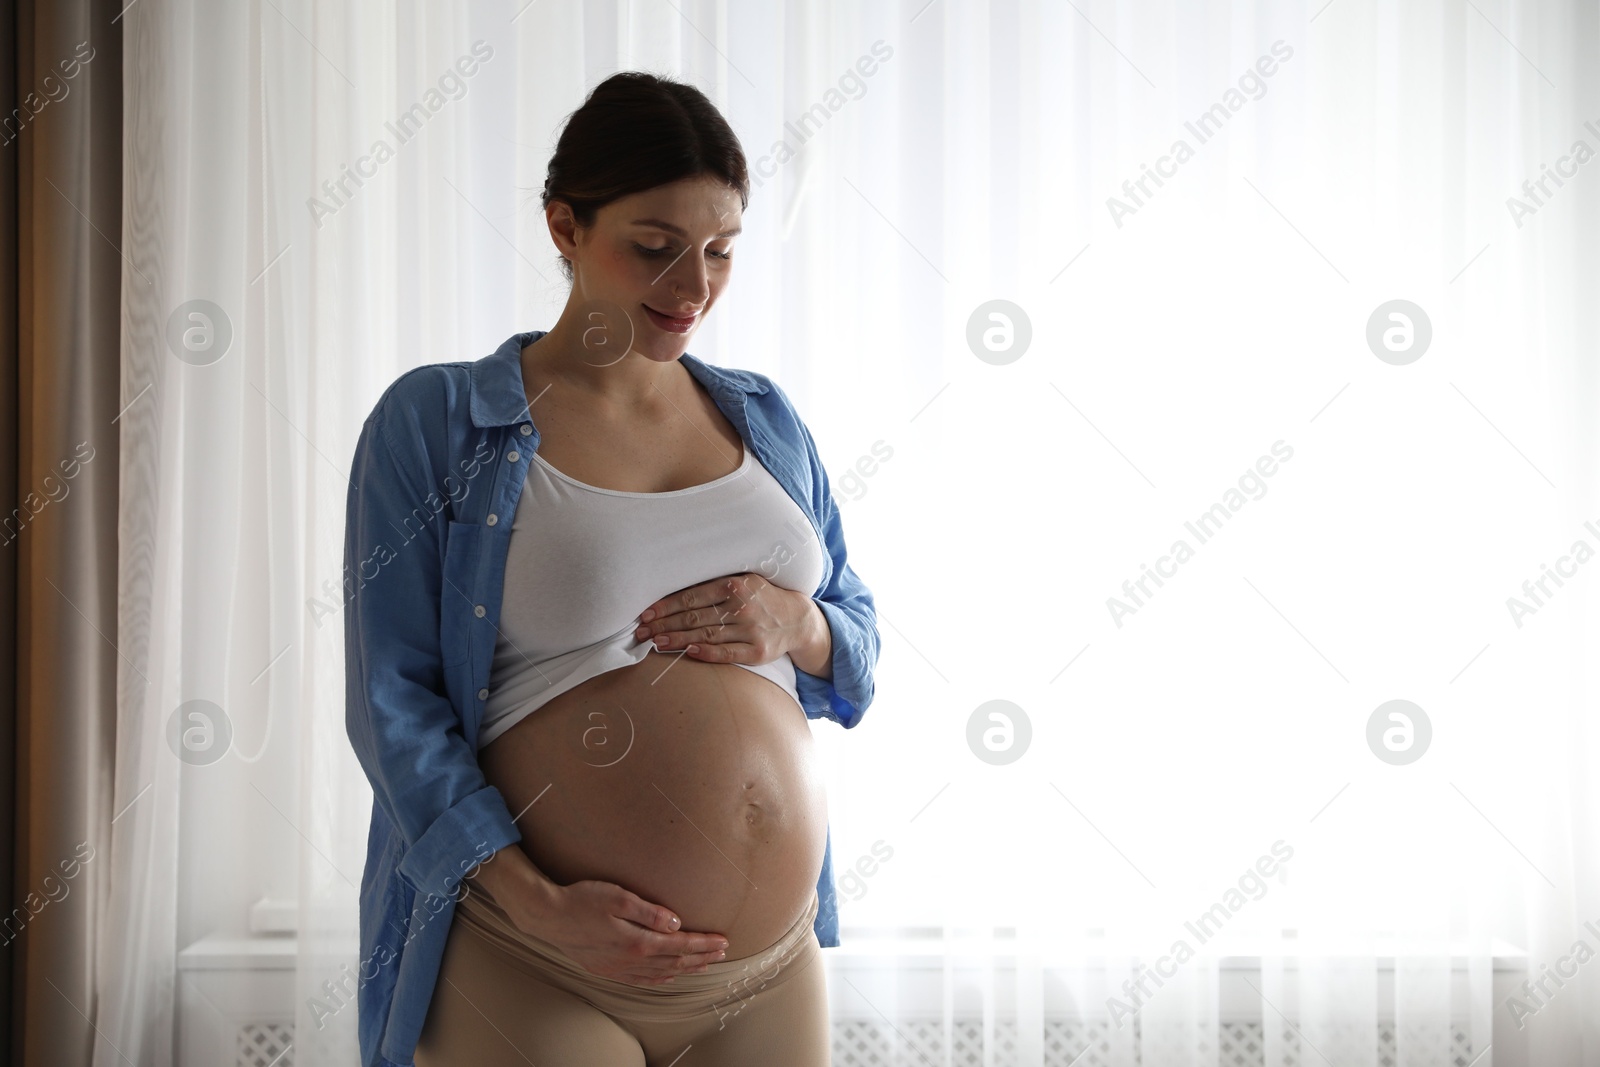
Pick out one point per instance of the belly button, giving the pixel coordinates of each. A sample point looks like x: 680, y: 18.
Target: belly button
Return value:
x: 752, y: 814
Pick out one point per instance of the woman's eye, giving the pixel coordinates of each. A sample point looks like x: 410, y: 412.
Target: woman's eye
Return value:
x: 668, y: 248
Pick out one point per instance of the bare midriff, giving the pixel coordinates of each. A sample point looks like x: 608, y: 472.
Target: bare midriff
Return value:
x: 692, y: 784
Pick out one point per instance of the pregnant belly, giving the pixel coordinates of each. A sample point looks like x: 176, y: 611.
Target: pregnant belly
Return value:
x: 691, y: 784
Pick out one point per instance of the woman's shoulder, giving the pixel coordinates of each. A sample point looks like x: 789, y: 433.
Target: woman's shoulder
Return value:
x: 429, y: 394
x: 428, y: 382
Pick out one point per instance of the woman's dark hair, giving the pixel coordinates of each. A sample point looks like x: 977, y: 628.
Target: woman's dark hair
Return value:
x: 637, y: 131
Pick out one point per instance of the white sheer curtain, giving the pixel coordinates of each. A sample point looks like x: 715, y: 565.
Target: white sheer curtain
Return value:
x: 1200, y: 346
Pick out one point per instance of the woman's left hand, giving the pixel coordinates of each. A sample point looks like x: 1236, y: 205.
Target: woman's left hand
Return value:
x: 739, y: 619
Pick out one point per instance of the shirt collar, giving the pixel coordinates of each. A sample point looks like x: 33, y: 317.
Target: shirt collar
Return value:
x: 498, y: 396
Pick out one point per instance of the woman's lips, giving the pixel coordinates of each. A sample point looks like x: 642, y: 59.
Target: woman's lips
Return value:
x: 669, y: 323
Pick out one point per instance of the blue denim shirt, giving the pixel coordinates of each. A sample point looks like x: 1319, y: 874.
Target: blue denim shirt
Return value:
x: 438, y: 469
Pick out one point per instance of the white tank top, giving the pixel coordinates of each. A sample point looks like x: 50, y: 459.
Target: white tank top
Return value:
x: 584, y: 562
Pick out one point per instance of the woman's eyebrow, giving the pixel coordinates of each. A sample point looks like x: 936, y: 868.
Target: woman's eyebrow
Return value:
x: 670, y: 228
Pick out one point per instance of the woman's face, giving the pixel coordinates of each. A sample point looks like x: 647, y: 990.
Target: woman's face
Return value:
x: 649, y: 270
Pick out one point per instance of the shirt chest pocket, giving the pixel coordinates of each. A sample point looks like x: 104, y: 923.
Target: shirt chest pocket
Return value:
x: 458, y: 592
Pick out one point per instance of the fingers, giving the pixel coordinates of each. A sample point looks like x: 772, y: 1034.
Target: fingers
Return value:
x: 667, y: 949
x: 664, y: 967
x: 692, y: 597
x: 694, y: 963
x: 673, y: 947
x: 666, y: 939
x: 652, y: 916
x: 681, y: 953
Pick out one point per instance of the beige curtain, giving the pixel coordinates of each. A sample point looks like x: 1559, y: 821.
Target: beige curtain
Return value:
x: 60, y: 397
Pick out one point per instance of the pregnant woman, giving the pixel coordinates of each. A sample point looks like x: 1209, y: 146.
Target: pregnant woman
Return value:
x: 600, y: 588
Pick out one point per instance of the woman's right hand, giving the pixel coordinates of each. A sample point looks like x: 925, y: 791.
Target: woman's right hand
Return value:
x: 617, y: 934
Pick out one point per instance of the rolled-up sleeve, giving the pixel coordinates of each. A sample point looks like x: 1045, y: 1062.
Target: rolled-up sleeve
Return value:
x: 406, y: 733
x: 846, y: 603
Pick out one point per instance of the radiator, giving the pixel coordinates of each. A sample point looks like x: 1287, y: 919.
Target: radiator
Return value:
x: 236, y: 1008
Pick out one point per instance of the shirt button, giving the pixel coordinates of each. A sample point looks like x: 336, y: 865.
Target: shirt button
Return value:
x: 493, y: 518
x: 478, y: 611
x: 527, y: 428
x: 483, y: 694
x: 512, y: 456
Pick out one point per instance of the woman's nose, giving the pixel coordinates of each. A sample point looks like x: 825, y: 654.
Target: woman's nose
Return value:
x: 690, y: 281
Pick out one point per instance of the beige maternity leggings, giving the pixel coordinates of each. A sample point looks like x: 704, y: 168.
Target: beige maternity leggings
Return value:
x: 505, y: 997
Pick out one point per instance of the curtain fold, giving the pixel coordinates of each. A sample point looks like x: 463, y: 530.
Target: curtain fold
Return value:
x: 62, y: 661
x: 10, y: 479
